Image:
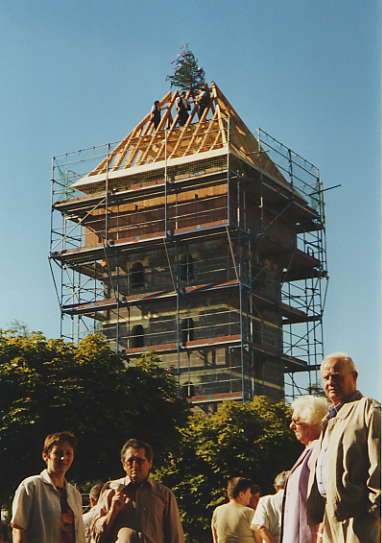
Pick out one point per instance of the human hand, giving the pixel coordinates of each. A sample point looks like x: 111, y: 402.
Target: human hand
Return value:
x: 118, y: 501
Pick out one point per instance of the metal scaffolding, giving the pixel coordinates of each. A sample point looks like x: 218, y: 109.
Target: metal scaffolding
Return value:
x: 217, y: 262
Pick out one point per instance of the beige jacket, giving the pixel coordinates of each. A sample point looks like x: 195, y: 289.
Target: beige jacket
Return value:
x: 352, y: 464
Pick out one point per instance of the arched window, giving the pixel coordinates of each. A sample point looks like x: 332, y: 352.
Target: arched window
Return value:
x: 187, y: 330
x: 137, y: 275
x: 187, y: 268
x: 138, y: 338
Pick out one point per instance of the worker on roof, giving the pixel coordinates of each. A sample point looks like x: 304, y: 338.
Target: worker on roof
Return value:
x: 156, y: 114
x: 203, y: 100
x: 182, y: 106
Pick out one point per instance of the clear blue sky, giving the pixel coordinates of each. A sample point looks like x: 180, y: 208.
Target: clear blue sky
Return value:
x: 82, y: 72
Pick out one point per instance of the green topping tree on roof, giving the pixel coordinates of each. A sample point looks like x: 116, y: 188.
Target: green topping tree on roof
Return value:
x: 187, y: 73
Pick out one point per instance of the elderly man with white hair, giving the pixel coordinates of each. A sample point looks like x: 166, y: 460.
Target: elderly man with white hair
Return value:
x: 307, y: 415
x: 344, y: 485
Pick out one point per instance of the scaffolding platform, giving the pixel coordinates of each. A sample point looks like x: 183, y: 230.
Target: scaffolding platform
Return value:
x: 201, y: 242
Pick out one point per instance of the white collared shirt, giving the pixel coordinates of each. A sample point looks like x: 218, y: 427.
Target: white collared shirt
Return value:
x: 36, y: 508
x: 268, y: 513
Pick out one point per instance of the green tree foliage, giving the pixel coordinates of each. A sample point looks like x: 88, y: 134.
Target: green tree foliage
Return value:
x: 50, y: 385
x: 251, y: 440
x: 187, y: 73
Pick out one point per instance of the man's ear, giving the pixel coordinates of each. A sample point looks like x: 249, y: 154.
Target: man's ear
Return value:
x: 44, y: 456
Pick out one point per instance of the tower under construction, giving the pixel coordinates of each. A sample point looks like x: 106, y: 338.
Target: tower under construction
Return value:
x: 200, y: 242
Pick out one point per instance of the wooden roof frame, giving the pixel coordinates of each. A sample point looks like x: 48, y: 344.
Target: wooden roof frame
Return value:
x: 219, y: 130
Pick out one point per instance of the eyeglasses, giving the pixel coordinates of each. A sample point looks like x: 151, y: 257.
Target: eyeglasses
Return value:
x: 136, y: 459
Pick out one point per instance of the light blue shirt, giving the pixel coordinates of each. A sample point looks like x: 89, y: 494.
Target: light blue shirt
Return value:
x: 321, y: 460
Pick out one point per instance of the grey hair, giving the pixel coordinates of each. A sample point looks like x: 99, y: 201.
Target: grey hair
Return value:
x: 343, y: 357
x: 311, y: 409
x: 280, y: 479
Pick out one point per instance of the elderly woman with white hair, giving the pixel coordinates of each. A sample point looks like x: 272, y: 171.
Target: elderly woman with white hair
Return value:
x: 307, y: 415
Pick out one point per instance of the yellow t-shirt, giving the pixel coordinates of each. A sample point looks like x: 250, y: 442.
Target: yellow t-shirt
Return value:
x: 232, y: 523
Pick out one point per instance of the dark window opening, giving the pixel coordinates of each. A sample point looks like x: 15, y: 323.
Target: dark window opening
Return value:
x: 187, y: 330
x: 137, y: 276
x: 138, y: 337
x: 187, y: 268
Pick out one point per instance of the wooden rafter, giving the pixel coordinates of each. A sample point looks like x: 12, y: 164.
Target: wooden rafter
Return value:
x: 171, y: 130
x: 199, y: 128
x: 211, y: 125
x: 146, y: 144
x: 159, y: 129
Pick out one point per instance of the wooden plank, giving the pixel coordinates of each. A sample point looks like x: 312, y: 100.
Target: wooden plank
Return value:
x: 123, y: 146
x: 135, y: 146
x: 159, y: 129
x: 150, y: 125
x: 160, y: 347
x: 216, y: 141
x: 219, y: 116
x: 197, y: 130
x: 183, y: 131
x: 229, y: 108
x: 103, y: 164
x: 145, y: 145
x: 163, y: 120
x: 140, y: 144
x: 170, y: 131
x: 212, y: 123
x: 126, y: 148
x: 172, y: 127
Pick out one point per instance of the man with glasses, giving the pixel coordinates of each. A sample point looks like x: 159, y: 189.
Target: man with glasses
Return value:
x: 135, y: 508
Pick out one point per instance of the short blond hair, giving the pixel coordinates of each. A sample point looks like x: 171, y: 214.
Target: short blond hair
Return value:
x: 343, y: 357
x: 310, y: 409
